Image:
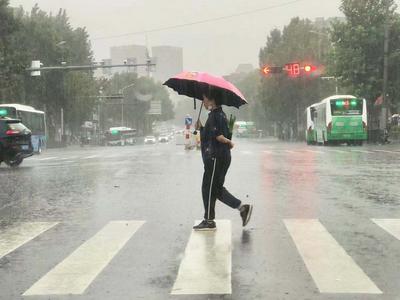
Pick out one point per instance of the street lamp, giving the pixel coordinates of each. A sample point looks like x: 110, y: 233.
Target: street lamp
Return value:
x: 121, y: 91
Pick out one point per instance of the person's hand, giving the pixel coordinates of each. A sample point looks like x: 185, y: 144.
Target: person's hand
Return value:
x: 231, y: 144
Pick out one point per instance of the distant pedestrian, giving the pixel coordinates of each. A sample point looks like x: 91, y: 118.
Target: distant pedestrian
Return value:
x: 216, y: 154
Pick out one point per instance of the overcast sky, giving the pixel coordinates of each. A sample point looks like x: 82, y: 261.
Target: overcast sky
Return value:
x: 216, y: 47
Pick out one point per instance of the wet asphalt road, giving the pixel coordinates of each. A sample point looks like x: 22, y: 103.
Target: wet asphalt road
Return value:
x: 82, y: 190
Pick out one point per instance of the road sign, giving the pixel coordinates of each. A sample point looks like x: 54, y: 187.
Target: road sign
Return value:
x: 188, y: 121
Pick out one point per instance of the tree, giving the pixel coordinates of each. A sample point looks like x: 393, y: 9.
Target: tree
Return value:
x: 8, y: 63
x: 137, y: 101
x: 283, y: 99
x: 50, y: 39
x: 359, y: 44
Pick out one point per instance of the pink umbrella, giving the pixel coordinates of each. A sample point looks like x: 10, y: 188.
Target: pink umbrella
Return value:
x: 195, y: 84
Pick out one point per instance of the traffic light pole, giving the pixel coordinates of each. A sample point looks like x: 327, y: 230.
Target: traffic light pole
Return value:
x: 87, y: 67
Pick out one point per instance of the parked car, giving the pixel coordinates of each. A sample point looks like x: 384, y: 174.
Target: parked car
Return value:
x: 150, y: 139
x: 15, y: 142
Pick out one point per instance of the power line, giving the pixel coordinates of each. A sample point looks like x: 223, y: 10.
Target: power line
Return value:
x: 199, y: 22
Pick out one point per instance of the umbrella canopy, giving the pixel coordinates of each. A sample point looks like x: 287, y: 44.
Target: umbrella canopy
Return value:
x: 195, y: 84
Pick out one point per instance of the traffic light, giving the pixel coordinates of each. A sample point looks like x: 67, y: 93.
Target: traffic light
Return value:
x: 266, y: 70
x: 308, y: 69
x: 293, y: 69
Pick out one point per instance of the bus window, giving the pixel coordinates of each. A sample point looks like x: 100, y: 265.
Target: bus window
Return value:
x: 346, y: 107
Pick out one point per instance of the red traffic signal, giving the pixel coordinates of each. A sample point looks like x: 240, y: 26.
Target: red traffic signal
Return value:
x: 309, y: 69
x: 293, y: 69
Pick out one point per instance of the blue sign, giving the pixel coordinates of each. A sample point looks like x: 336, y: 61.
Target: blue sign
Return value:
x: 188, y: 121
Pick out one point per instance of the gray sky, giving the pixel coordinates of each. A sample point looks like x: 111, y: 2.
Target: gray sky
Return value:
x: 216, y: 47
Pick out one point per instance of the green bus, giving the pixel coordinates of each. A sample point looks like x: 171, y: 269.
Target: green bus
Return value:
x: 336, y: 120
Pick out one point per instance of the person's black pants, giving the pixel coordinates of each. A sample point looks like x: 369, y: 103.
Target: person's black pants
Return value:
x: 213, y: 186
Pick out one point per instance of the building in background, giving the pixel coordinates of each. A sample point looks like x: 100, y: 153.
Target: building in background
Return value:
x: 169, y: 62
x: 129, y: 54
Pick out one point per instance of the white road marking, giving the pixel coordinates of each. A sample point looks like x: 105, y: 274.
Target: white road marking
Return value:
x: 362, y: 151
x: 332, y: 269
x: 77, y: 271
x: 292, y: 152
x: 207, y: 264
x: 339, y: 151
x: 48, y: 158
x: 267, y: 152
x: 90, y: 157
x: 316, y: 151
x: 390, y: 225
x: 68, y: 157
x: 17, y: 235
x: 387, y: 151
x: 246, y: 152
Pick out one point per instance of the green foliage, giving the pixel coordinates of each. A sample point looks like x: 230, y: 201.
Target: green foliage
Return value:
x: 283, y: 99
x: 51, y: 39
x: 137, y: 98
x: 359, y: 44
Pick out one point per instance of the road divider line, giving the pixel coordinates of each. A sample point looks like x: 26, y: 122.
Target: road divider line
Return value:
x: 362, y: 151
x: 246, y: 152
x: 387, y: 151
x: 207, y: 263
x: 17, y: 235
x: 339, y: 151
x: 89, y: 157
x: 77, y: 271
x: 292, y: 152
x: 315, y: 151
x: 47, y: 158
x: 392, y: 226
x: 68, y: 157
x: 331, y: 268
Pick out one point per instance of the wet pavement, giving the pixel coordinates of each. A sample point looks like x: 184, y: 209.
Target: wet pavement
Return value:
x: 115, y: 223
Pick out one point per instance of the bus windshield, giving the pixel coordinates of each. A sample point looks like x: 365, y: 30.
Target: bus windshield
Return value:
x: 9, y: 112
x: 346, y: 107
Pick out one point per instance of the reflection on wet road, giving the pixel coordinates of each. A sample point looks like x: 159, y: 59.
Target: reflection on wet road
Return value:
x: 325, y: 224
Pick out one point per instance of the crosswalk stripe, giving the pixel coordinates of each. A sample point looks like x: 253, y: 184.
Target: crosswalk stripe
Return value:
x: 17, y: 235
x: 206, y: 266
x: 390, y: 225
x: 77, y: 271
x: 332, y: 269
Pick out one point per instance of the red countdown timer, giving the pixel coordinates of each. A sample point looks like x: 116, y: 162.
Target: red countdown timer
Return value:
x: 293, y: 69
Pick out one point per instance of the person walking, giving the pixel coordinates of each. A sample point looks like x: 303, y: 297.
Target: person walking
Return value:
x: 216, y: 153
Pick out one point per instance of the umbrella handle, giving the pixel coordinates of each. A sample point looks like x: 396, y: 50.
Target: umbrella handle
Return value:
x: 198, y: 118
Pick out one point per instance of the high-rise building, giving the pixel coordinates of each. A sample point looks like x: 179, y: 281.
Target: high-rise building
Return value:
x: 169, y: 62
